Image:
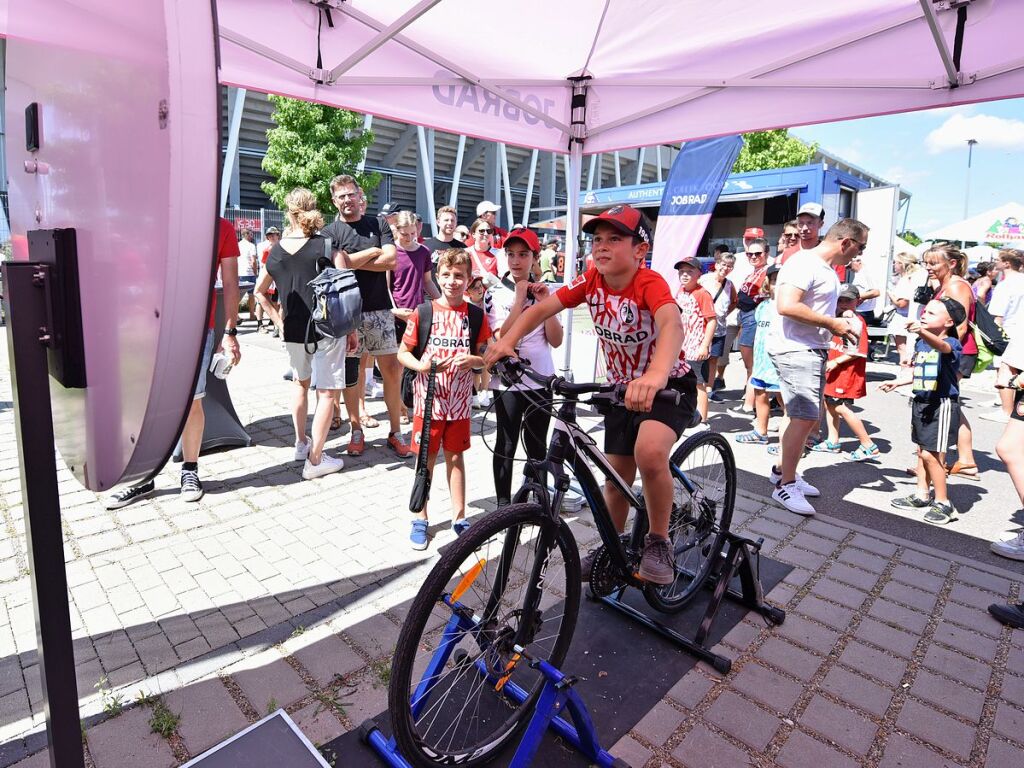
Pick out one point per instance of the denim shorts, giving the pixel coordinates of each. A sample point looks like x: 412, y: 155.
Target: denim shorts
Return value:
x: 718, y: 346
x: 204, y: 367
x: 748, y: 328
x: 801, y: 381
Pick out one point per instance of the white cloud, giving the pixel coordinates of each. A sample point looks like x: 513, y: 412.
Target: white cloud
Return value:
x: 897, y: 174
x: 990, y: 131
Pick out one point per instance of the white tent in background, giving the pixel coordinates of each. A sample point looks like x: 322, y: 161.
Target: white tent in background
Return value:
x: 1002, y: 226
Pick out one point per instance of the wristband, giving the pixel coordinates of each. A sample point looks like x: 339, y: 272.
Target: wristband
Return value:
x: 230, y: 331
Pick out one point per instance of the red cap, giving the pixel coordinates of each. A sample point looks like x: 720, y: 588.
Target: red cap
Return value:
x: 753, y: 232
x: 626, y: 219
x: 527, y: 236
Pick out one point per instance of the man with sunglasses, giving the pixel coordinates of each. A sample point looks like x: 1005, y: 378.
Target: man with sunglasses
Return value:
x: 790, y: 237
x: 806, y: 295
x: 809, y: 220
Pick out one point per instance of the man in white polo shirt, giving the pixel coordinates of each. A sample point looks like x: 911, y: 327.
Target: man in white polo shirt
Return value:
x: 805, y: 298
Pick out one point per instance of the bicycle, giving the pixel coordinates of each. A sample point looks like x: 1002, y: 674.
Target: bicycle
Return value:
x: 491, y: 605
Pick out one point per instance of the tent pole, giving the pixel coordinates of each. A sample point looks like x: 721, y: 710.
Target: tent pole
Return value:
x: 529, y: 189
x: 510, y: 215
x: 572, y: 232
x: 427, y: 170
x: 367, y: 124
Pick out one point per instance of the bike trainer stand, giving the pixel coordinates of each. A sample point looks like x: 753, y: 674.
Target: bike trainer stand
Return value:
x: 738, y: 557
x: 556, y: 696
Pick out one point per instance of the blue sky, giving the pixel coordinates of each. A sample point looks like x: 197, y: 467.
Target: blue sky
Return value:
x: 926, y: 152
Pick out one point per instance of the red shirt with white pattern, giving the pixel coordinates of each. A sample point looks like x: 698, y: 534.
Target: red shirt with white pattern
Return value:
x: 449, y: 336
x: 624, y: 320
x: 696, y: 309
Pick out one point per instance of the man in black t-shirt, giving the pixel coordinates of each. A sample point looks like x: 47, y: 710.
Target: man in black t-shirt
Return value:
x: 447, y: 221
x: 369, y: 250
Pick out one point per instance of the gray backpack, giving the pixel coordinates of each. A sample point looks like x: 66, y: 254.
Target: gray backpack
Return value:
x: 337, y: 303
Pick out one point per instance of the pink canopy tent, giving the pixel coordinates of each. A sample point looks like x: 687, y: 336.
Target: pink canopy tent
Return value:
x: 582, y: 77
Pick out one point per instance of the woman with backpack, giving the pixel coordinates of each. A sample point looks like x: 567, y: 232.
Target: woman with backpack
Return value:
x: 292, y: 263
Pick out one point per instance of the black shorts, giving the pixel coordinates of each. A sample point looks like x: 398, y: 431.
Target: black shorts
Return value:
x: 934, y: 423
x: 621, y: 426
x: 967, y: 363
x: 700, y: 370
x: 847, y: 401
x: 1017, y: 411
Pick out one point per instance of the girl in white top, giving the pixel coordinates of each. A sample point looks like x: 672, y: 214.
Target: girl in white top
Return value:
x: 515, y: 408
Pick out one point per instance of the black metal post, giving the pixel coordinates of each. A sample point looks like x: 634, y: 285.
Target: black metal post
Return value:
x: 25, y: 299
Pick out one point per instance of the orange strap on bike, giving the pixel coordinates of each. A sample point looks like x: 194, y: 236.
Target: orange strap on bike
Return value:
x: 467, y: 580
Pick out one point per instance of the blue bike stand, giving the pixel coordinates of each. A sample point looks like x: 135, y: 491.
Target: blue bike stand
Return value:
x: 556, y: 696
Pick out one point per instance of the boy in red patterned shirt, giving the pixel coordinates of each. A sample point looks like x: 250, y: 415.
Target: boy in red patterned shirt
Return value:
x: 448, y: 343
x: 697, y: 310
x: 641, y: 336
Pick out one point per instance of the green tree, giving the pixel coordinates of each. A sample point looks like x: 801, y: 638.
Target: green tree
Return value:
x: 911, y: 237
x: 772, y: 149
x: 312, y: 144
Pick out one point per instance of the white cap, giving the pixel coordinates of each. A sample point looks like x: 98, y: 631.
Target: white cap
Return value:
x: 812, y: 209
x: 486, y: 206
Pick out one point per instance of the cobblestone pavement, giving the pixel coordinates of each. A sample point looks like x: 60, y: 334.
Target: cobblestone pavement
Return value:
x: 276, y: 592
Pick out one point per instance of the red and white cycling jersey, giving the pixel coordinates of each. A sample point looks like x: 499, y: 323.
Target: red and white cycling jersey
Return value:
x: 624, y: 320
x: 449, y: 336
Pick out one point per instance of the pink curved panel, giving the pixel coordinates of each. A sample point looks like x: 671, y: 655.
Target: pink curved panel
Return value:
x: 128, y: 101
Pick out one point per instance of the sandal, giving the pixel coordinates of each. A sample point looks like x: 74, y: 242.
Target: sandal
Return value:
x: 369, y: 421
x: 753, y: 436
x: 825, y: 446
x: 968, y: 471
x: 336, y: 423
x: 864, y: 452
x: 404, y: 419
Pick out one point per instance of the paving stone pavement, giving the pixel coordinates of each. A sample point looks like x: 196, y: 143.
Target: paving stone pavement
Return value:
x: 273, y: 592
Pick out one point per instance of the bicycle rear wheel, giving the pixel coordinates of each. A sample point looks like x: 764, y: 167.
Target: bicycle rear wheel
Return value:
x: 704, y: 479
x: 456, y: 666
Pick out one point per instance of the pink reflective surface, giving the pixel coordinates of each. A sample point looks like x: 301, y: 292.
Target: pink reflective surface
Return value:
x: 141, y: 192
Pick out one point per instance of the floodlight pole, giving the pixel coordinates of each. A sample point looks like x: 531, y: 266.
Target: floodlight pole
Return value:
x: 967, y: 189
x: 28, y: 305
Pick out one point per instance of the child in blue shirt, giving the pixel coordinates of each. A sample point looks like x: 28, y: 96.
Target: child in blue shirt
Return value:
x: 935, y: 406
x: 763, y: 376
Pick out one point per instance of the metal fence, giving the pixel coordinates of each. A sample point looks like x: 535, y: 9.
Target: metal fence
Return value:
x: 256, y: 219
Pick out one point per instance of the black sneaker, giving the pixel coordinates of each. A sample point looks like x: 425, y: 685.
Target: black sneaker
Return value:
x: 941, y: 513
x: 719, y: 384
x: 191, y: 486
x: 129, y: 495
x: 913, y: 501
x: 587, y: 563
x: 656, y: 564
x: 1011, y: 614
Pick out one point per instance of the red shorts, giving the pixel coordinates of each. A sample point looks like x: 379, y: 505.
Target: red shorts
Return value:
x: 453, y: 436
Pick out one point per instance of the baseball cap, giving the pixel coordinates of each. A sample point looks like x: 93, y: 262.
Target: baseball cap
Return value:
x: 812, y: 209
x: 689, y: 261
x: 528, y: 238
x: 388, y: 209
x: 272, y: 231
x: 956, y: 310
x: 486, y: 206
x: 850, y: 292
x: 753, y: 232
x: 626, y: 219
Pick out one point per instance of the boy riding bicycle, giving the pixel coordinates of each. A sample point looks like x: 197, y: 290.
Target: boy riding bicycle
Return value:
x: 641, y: 335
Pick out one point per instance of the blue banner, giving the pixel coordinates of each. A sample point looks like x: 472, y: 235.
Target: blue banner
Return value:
x: 691, y: 192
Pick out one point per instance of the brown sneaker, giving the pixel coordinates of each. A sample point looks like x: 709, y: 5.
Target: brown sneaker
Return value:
x: 587, y: 563
x: 656, y: 564
x: 398, y: 446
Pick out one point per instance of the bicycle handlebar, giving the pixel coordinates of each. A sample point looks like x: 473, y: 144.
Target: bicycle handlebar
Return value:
x: 512, y: 371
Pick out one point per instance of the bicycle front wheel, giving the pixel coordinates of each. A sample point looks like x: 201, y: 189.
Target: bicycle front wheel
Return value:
x: 704, y: 479
x: 460, y: 688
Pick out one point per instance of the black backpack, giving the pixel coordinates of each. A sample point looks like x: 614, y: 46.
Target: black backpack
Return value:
x: 990, y: 333
x: 425, y: 319
x: 337, y: 302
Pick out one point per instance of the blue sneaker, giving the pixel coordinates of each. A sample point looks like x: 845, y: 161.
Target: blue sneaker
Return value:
x: 460, y: 527
x: 418, y: 535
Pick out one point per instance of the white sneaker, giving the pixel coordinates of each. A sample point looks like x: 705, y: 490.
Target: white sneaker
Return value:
x: 1013, y: 549
x: 806, y: 488
x: 302, y: 450
x: 792, y: 498
x: 328, y: 465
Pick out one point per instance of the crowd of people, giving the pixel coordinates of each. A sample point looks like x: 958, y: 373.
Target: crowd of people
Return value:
x: 800, y: 317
